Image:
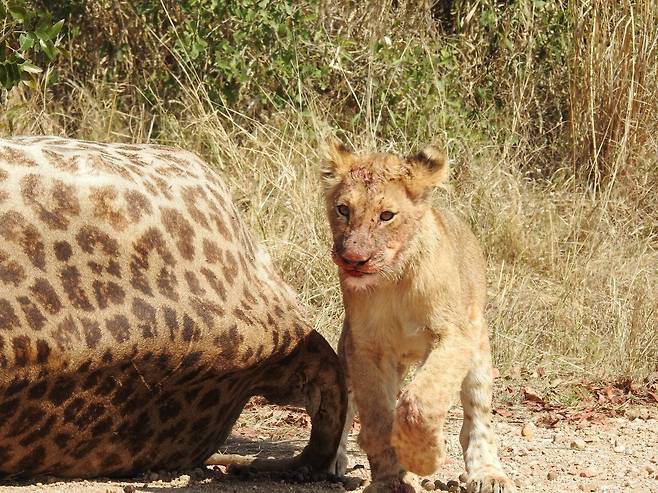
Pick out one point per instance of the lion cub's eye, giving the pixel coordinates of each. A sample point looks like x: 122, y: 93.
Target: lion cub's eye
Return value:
x: 343, y: 210
x: 387, y: 215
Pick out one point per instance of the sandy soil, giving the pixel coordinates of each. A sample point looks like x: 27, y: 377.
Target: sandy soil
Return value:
x: 610, y: 454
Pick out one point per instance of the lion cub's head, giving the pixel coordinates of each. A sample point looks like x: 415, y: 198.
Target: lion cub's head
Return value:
x: 375, y: 204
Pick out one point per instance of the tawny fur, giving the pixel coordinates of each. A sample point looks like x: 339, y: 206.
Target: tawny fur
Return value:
x: 414, y: 291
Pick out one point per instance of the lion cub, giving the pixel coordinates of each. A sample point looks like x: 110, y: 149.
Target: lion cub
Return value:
x: 414, y: 292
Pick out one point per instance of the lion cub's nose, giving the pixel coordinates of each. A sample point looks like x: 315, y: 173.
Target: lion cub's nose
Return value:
x: 357, y: 259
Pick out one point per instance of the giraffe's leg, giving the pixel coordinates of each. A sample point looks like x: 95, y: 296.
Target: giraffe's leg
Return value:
x: 477, y: 437
x: 339, y: 465
x: 313, y: 378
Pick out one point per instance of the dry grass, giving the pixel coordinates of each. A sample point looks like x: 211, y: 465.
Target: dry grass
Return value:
x: 573, y: 271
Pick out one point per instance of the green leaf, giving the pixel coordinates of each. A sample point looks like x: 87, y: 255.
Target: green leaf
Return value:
x: 48, y: 48
x: 55, y: 29
x: 18, y: 12
x: 26, y: 41
x: 30, y: 68
x: 29, y: 83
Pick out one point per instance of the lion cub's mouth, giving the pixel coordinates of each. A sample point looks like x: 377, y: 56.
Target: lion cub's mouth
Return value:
x: 355, y: 272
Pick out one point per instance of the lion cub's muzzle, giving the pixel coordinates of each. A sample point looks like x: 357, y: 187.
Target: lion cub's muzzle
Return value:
x: 353, y: 262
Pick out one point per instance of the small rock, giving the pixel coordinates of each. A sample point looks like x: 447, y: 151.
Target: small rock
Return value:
x: 440, y: 485
x: 463, y: 478
x: 428, y: 485
x: 589, y: 486
x: 578, y: 444
x: 452, y: 483
x: 619, y: 449
x: 588, y: 472
x: 350, y: 483
x: 649, y: 469
x: 551, y: 475
x: 129, y: 488
x: 632, y: 414
x: 528, y: 431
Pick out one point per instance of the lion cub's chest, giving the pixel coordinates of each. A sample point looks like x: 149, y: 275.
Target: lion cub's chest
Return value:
x: 398, y: 327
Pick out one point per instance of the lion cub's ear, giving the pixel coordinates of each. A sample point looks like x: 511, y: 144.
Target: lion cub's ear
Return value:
x: 428, y: 169
x: 337, y: 160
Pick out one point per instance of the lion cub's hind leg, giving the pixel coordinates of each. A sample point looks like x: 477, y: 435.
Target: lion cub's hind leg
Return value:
x: 477, y: 438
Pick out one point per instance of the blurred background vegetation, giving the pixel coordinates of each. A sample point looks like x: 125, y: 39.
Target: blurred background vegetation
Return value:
x: 547, y: 109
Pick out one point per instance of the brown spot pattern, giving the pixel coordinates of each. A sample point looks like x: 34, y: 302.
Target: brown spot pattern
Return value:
x: 215, y: 283
x: 145, y: 313
x: 22, y: 350
x: 11, y: 272
x: 92, y: 332
x: 180, y: 229
x: 53, y: 206
x: 119, y: 327
x: 138, y: 205
x: 16, y: 229
x: 33, y: 315
x: 193, y: 284
x: 191, y: 196
x: 16, y: 157
x: 45, y: 294
x: 66, y: 334
x: 89, y: 237
x: 8, y: 318
x: 72, y: 284
x: 107, y: 292
x: 105, y: 208
x: 150, y: 241
x: 62, y: 250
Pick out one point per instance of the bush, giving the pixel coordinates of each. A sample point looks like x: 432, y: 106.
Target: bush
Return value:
x: 28, y: 41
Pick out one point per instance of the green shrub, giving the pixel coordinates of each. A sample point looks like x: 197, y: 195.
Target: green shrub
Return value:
x: 28, y: 42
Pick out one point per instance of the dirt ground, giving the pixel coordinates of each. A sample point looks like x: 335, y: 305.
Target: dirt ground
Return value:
x: 541, y: 454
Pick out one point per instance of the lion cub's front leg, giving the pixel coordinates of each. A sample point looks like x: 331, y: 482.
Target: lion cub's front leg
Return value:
x: 423, y: 406
x: 375, y: 381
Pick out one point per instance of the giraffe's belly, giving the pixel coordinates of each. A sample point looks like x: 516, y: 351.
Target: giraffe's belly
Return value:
x: 109, y: 421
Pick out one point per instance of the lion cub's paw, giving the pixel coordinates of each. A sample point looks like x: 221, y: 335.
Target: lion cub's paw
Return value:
x: 407, y: 484
x: 418, y: 443
x: 490, y: 483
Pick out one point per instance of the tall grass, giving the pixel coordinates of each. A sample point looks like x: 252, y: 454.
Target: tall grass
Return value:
x: 571, y: 237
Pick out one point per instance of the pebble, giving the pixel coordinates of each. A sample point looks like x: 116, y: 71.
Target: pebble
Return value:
x: 129, y: 488
x: 649, y: 469
x: 528, y: 431
x: 428, y: 485
x: 589, y: 486
x: 578, y: 444
x: 551, y: 475
x: 440, y: 485
x: 619, y: 449
x: 588, y: 472
x: 463, y: 478
x: 350, y: 483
